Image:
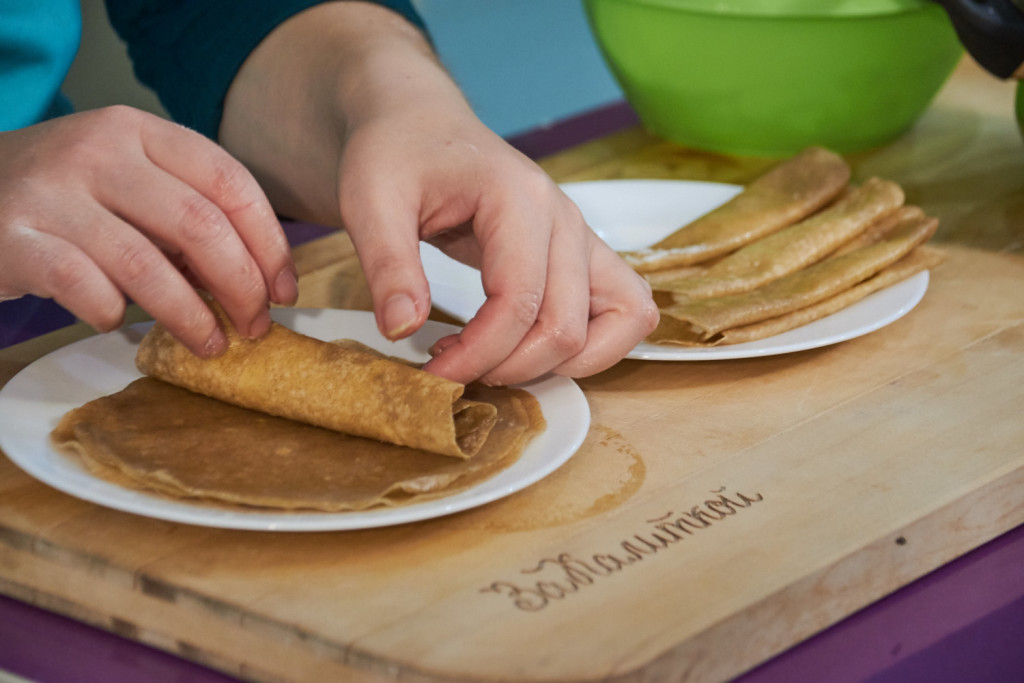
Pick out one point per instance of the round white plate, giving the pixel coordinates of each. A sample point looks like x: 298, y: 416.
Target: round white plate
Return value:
x: 633, y: 214
x: 33, y: 402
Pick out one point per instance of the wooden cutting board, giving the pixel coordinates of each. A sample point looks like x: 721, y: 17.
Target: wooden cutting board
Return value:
x: 718, y: 513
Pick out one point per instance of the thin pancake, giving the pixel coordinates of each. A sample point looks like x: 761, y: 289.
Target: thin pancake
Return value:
x: 921, y: 258
x: 158, y: 437
x: 791, y: 191
x: 794, y: 247
x: 882, y: 228
x: 328, y: 385
x: 699, y: 321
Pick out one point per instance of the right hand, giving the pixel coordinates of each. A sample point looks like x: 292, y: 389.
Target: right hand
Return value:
x: 369, y: 132
x: 558, y: 299
x: 116, y: 202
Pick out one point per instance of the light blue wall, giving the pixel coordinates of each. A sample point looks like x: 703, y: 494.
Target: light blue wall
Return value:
x: 521, y: 63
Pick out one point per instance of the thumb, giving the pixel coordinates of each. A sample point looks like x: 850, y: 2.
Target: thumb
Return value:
x: 389, y: 252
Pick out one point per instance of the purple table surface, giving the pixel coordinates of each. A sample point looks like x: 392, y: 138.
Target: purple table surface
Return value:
x: 961, y: 623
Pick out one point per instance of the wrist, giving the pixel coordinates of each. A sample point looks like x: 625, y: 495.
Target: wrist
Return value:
x: 318, y: 75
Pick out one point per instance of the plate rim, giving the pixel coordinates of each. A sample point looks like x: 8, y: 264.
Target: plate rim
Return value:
x: 547, y: 389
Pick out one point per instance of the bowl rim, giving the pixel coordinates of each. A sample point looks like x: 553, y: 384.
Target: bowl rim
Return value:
x: 841, y: 9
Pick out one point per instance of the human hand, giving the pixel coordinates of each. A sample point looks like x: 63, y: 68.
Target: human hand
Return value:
x: 558, y: 299
x: 109, y: 203
x: 367, y: 131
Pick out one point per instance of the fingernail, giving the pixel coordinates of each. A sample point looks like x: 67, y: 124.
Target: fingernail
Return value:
x: 441, y: 344
x: 399, y: 316
x: 259, y: 325
x: 286, y: 288
x: 216, y: 344
x: 491, y: 381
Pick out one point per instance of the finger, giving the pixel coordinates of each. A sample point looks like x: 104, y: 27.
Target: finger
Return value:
x: 514, y: 242
x: 139, y: 269
x: 386, y: 238
x: 560, y: 331
x: 623, y: 313
x: 439, y: 346
x: 225, y: 182
x: 48, y: 266
x: 181, y: 220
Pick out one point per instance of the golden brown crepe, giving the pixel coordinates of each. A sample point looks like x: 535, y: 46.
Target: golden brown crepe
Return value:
x: 793, y: 247
x: 328, y: 385
x: 922, y: 258
x: 791, y: 191
x: 159, y: 437
x: 703, y: 321
x: 882, y: 228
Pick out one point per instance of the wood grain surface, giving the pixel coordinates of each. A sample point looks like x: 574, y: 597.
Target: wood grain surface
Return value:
x: 718, y: 513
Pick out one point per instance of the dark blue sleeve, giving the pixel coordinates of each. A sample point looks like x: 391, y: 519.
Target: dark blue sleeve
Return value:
x: 189, y: 51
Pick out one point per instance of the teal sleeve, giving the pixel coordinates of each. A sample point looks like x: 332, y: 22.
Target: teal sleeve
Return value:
x: 188, y: 51
x: 38, y: 41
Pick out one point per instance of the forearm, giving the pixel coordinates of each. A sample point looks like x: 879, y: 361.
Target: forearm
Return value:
x: 311, y: 82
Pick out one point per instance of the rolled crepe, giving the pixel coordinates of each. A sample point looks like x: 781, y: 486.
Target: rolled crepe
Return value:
x: 700, y: 321
x: 793, y: 247
x: 334, y: 386
x: 882, y: 228
x: 790, y: 192
x: 921, y: 258
x: 158, y: 437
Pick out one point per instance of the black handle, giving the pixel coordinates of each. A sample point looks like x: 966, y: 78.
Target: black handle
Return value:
x: 991, y: 30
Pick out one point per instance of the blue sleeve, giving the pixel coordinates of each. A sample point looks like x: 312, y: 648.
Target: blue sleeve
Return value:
x: 189, y: 51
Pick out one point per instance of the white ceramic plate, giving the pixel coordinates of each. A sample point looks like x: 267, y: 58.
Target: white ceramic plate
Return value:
x: 633, y: 214
x: 33, y: 402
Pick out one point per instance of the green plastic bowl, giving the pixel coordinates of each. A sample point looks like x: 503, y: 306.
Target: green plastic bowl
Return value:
x: 1020, y: 107
x: 771, y: 77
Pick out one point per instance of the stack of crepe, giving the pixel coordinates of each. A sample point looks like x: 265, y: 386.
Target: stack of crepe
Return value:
x: 797, y: 244
x: 292, y: 422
